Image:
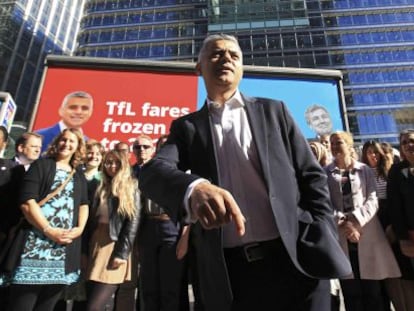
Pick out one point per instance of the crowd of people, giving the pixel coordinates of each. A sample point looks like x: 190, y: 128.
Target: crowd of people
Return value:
x: 235, y: 200
x: 369, y: 189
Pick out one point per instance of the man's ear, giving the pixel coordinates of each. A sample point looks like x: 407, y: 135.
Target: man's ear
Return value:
x: 198, y: 69
x: 20, y: 148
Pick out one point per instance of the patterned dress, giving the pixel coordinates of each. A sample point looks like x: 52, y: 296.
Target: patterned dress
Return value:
x: 42, y: 260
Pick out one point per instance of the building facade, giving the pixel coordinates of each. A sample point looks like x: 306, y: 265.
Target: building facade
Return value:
x: 30, y: 29
x: 371, y: 41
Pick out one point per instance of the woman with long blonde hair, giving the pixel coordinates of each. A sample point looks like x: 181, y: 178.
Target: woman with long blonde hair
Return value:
x: 112, y: 228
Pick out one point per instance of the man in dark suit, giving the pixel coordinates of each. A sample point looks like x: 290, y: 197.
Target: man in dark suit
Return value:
x: 264, y: 231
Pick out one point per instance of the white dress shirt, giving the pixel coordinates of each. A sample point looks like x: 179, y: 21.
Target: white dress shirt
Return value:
x: 240, y: 172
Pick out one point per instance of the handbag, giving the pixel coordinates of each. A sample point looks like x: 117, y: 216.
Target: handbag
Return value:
x: 17, y: 235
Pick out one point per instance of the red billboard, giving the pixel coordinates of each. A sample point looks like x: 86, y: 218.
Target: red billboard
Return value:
x: 125, y: 103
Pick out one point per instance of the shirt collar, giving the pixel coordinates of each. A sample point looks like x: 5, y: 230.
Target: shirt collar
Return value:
x: 235, y: 101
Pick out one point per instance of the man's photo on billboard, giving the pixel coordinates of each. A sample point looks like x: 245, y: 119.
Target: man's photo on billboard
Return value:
x: 318, y: 119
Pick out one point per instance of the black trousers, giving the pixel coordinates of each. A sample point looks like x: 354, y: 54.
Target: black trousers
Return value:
x: 161, y: 273
x: 267, y: 278
x: 361, y: 295
x: 34, y: 297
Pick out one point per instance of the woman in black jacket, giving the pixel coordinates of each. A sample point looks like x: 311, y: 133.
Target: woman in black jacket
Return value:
x: 51, y: 255
x: 112, y: 227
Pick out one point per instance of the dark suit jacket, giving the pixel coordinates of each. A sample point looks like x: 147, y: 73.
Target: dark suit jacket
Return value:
x: 296, y: 183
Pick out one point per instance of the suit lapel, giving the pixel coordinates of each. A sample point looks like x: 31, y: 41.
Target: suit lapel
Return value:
x: 202, y: 125
x: 259, y: 129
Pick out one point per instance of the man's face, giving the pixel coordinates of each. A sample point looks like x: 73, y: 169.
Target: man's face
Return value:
x: 76, y: 112
x: 221, y: 66
x: 31, y: 150
x: 320, y: 122
x: 143, y: 150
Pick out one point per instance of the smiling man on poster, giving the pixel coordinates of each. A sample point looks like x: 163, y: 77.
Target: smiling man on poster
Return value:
x: 264, y: 232
x: 75, y: 111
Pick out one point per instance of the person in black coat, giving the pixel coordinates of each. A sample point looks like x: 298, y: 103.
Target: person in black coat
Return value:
x: 264, y: 231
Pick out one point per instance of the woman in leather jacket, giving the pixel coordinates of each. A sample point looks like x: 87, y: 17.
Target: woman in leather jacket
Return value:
x: 112, y: 228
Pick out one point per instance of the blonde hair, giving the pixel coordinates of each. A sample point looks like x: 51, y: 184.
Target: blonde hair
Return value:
x: 320, y: 152
x: 123, y: 185
x: 346, y: 136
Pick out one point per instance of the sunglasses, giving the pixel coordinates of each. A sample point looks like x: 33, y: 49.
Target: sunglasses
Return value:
x: 139, y: 147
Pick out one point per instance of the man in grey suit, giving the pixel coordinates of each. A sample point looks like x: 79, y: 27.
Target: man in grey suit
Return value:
x: 264, y: 232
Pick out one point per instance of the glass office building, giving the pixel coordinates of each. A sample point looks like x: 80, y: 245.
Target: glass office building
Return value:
x: 371, y: 41
x: 30, y: 29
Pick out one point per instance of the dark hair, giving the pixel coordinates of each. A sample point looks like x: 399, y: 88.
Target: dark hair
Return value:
x: 5, y: 132
x: 216, y: 37
x: 383, y: 162
x: 22, y: 139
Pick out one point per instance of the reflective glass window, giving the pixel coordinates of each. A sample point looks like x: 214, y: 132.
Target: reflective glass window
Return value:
x: 384, y: 56
x: 359, y: 19
x: 408, y: 35
x: 321, y: 59
x: 90, y: 52
x: 371, y: 77
x: 93, y: 37
x: 353, y: 58
x: 341, y: 4
x: 306, y: 60
x: 116, y: 53
x: 399, y: 55
x: 374, y: 19
x: 349, y: 38
x: 147, y: 17
x: 105, y: 36
x: 363, y: 124
x: 136, y: 3
x: 96, y: 21
x: 157, y: 50
x: 355, y: 77
x: 102, y: 53
x: 160, y: 16
x: 171, y: 50
x: 159, y: 33
x: 145, y: 33
x: 121, y: 19
x: 143, y: 51
x: 273, y: 42
x: 379, y: 37
x: 129, y: 52
x: 108, y: 20
x: 318, y: 40
x: 131, y: 34
x: 410, y: 54
x: 394, y: 36
x: 344, y: 20
x: 369, y: 58
x: 172, y: 32
x: 118, y: 35
x: 185, y: 49
x: 171, y: 15
x: 134, y: 18
x: 364, y: 38
x: 388, y: 18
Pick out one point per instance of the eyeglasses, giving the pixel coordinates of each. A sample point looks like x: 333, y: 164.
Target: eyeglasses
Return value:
x: 111, y: 163
x: 138, y: 147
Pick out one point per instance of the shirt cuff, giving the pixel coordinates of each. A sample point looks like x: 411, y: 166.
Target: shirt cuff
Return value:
x: 190, y: 218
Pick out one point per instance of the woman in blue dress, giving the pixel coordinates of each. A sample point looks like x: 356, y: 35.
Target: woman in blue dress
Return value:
x: 51, y: 256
